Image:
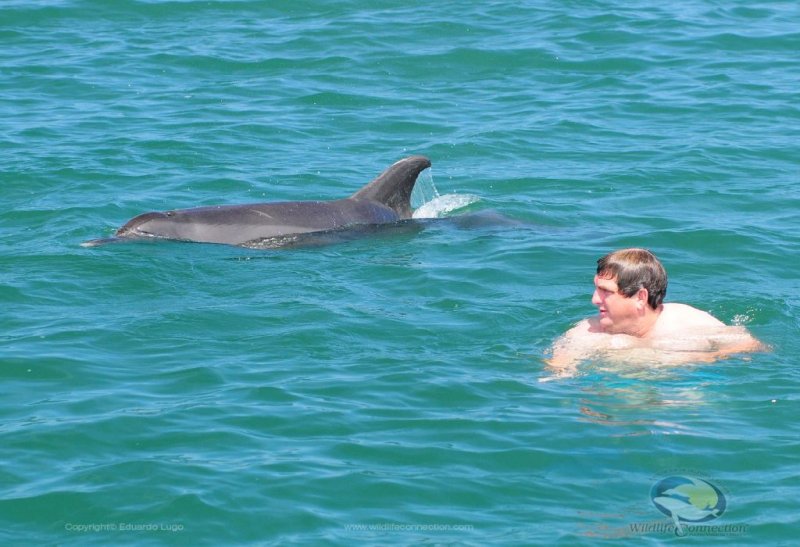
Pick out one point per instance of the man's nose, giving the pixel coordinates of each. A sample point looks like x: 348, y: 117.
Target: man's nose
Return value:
x: 596, y: 298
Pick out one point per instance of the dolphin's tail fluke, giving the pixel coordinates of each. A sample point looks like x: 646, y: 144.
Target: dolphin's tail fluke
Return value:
x: 393, y: 187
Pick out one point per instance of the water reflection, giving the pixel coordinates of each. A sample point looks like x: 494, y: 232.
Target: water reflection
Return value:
x: 641, y: 399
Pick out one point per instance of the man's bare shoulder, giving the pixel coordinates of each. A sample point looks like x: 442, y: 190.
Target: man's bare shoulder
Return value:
x: 676, y: 317
x: 585, y: 327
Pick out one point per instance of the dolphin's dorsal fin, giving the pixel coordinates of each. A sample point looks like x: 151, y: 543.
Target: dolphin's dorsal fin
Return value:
x: 393, y: 187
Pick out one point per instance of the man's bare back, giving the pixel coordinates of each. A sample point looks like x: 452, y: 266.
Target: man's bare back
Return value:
x: 682, y: 334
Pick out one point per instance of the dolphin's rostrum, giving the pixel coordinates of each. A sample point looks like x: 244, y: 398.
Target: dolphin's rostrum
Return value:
x: 384, y: 200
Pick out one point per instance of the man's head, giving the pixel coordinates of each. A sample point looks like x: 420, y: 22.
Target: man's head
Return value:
x: 633, y: 270
x: 630, y: 284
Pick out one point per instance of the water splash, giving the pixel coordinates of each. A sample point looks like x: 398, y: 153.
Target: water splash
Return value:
x: 424, y: 190
x: 441, y: 205
x: 427, y: 202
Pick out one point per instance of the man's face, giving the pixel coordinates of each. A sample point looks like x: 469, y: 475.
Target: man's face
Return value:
x: 618, y: 313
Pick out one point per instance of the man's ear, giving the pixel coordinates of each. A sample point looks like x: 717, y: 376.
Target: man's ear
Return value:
x: 641, y: 299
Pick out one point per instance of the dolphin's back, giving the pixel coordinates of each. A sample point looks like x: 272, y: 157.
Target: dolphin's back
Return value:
x: 242, y: 224
x: 384, y: 200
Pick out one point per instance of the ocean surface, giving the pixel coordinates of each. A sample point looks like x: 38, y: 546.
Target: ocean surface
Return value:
x: 388, y: 389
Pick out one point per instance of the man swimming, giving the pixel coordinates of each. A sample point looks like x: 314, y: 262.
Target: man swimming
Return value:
x: 633, y: 323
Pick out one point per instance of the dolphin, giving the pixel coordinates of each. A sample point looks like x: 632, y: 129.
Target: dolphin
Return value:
x: 385, y: 200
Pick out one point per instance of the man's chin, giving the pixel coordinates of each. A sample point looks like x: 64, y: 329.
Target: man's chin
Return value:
x: 606, y: 324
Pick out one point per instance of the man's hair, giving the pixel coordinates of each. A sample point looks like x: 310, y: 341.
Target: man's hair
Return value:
x: 635, y: 269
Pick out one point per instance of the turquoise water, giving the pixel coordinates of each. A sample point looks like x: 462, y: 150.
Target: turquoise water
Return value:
x: 387, y: 390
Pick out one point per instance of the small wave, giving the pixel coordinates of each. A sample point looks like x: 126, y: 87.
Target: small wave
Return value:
x: 442, y: 205
x: 741, y: 319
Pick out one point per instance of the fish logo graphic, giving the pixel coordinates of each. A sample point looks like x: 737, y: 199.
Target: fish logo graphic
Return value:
x: 688, y: 500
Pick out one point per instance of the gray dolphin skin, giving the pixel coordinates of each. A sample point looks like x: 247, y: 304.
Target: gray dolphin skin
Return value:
x: 387, y: 199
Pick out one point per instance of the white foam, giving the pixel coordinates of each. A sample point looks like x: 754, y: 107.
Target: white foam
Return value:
x: 428, y: 203
x: 442, y: 205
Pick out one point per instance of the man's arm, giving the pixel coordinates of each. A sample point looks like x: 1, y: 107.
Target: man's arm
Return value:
x: 568, y: 350
x: 736, y: 340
